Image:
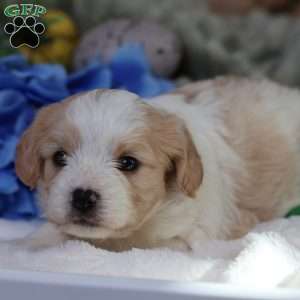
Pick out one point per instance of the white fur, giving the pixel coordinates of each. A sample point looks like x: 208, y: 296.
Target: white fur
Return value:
x: 101, y: 126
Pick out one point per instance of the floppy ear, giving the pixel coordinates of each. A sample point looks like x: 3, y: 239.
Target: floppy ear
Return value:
x: 176, y: 143
x: 28, y: 163
x: 188, y: 165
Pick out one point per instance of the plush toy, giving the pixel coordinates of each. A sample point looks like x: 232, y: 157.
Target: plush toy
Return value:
x: 58, y: 41
x: 162, y: 47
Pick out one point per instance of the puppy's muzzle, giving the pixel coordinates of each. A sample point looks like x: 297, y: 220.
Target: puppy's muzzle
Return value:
x: 84, y: 202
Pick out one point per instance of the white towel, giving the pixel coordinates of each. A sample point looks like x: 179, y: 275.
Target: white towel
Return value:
x: 268, y: 256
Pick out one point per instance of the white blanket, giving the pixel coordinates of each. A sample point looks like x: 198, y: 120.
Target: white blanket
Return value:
x: 268, y: 256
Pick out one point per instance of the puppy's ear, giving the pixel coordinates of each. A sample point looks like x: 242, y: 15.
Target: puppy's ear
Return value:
x: 28, y: 163
x: 188, y: 165
x: 175, y: 141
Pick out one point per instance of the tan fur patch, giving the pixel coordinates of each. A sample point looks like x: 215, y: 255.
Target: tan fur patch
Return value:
x: 167, y: 155
x: 268, y: 160
x: 168, y: 159
x: 269, y: 163
x: 33, y: 147
x: 191, y: 91
x: 170, y: 137
x: 146, y: 184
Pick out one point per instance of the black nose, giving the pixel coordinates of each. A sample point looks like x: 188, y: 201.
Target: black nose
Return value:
x: 84, y: 201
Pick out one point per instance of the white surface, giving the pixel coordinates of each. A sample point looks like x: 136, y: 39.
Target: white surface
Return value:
x: 266, y: 258
x: 16, y: 285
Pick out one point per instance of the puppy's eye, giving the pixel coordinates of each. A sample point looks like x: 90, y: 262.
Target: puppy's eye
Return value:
x: 60, y: 158
x: 127, y: 163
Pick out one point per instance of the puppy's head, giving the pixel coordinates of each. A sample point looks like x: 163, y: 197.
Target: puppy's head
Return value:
x: 104, y: 162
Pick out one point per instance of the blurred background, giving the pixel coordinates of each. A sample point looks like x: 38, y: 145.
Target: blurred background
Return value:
x: 148, y: 47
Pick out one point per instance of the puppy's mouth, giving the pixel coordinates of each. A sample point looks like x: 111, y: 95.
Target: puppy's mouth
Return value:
x: 86, y: 227
x: 89, y: 230
x: 85, y: 222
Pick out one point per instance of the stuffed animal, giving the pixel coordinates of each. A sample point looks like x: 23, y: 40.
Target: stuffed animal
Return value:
x: 162, y: 47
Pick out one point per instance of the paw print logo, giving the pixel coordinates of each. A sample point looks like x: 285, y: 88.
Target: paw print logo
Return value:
x: 24, y: 31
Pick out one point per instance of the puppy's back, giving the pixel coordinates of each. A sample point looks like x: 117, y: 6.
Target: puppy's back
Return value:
x: 263, y: 124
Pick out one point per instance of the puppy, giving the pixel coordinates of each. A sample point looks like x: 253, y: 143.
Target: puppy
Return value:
x: 207, y: 161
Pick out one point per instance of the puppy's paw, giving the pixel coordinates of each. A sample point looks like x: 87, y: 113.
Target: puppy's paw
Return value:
x: 175, y: 244
x: 22, y: 244
x: 46, y: 236
x: 12, y: 244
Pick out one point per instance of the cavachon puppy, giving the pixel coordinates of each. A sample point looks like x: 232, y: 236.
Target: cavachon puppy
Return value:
x: 208, y: 161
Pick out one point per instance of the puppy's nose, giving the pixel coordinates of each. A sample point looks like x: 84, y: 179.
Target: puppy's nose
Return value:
x: 84, y: 201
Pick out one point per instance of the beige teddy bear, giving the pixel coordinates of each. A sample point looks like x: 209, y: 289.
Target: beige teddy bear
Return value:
x: 161, y: 45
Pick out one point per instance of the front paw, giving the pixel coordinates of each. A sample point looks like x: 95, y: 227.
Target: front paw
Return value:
x: 24, y: 244
x: 46, y: 236
x: 176, y: 244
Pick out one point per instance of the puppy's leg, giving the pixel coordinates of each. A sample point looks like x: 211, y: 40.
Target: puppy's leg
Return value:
x: 46, y: 236
x: 247, y: 221
x: 176, y: 244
